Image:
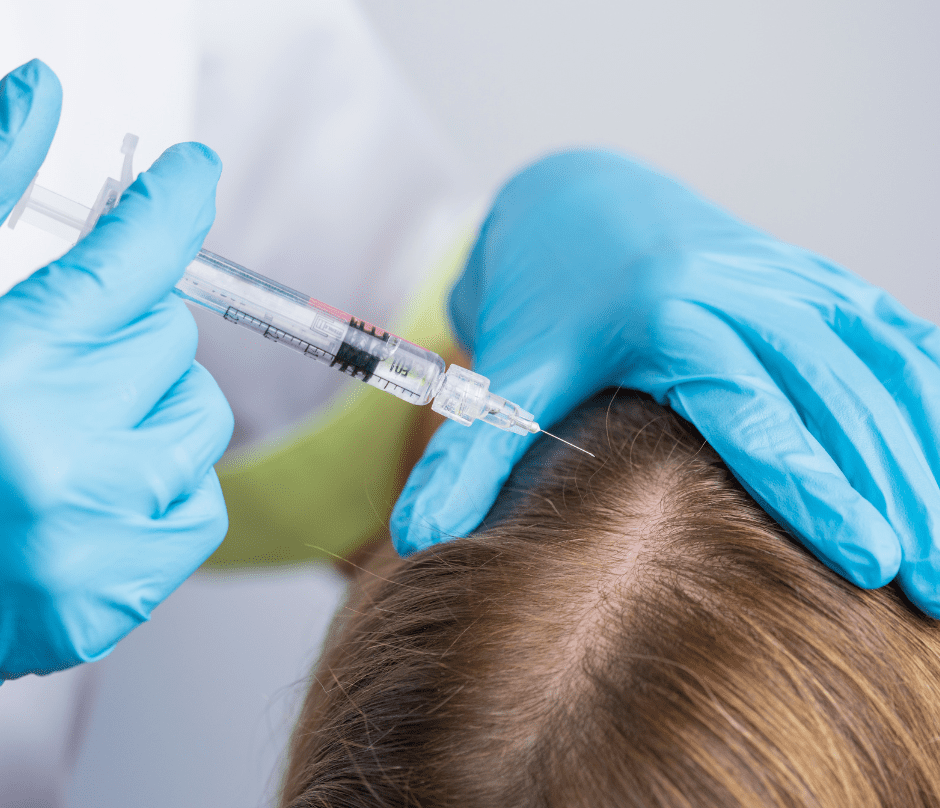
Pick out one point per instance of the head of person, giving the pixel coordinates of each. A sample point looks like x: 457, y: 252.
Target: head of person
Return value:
x: 630, y: 630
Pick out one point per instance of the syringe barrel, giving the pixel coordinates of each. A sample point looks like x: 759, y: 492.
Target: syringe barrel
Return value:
x: 348, y: 344
x: 281, y: 314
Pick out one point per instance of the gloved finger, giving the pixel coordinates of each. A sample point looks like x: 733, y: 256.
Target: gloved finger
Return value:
x: 763, y: 440
x: 922, y: 333
x: 84, y: 623
x: 860, y: 426
x: 186, y: 535
x: 30, y: 102
x: 838, y: 398
x: 135, y: 254
x: 839, y: 283
x: 148, y: 468
x: 910, y: 376
x: 834, y: 284
x: 920, y: 579
x: 156, y: 556
x: 758, y: 404
x: 113, y: 383
x: 458, y: 478
x: 453, y: 486
x: 182, y: 439
x: 135, y: 369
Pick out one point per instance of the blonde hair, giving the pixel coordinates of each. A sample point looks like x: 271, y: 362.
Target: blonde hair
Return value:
x: 634, y: 630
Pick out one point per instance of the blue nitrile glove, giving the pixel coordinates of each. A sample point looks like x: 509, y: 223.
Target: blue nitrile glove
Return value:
x: 108, y: 429
x: 819, y: 390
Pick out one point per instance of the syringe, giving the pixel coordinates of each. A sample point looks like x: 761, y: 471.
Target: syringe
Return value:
x: 283, y: 315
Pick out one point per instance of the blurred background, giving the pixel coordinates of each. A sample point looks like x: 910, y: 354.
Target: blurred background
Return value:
x: 817, y: 122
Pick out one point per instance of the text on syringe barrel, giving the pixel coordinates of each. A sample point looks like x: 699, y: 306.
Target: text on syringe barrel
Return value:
x: 330, y: 336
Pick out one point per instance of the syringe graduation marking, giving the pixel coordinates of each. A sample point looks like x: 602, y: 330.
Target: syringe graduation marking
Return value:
x: 360, y: 359
x: 276, y: 334
x: 273, y: 333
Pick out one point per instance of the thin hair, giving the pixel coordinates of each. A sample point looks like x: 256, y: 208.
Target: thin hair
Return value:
x: 654, y: 640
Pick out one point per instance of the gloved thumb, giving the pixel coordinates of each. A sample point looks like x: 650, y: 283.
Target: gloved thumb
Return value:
x: 30, y: 102
x: 456, y: 482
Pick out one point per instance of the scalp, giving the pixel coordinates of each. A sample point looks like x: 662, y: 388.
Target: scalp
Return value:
x: 630, y: 630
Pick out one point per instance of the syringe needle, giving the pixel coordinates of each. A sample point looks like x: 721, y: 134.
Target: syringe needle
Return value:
x: 566, y: 442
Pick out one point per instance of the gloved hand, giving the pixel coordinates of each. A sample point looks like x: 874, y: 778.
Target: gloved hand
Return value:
x: 820, y: 391
x: 108, y: 429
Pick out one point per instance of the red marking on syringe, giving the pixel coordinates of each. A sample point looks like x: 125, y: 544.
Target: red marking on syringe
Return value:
x: 333, y: 312
x: 339, y: 314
